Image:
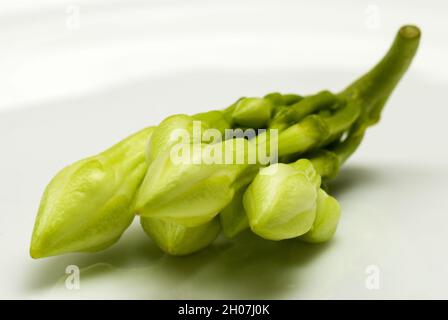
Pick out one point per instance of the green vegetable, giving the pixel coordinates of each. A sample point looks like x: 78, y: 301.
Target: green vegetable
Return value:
x: 186, y: 185
x: 281, y: 202
x: 171, y: 236
x: 219, y: 120
x: 191, y: 192
x: 169, y: 132
x: 88, y: 205
x: 253, y: 112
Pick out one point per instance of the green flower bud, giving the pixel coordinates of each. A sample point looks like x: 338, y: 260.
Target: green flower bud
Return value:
x: 170, y: 236
x: 214, y: 119
x: 87, y: 205
x: 176, y: 239
x: 279, y: 99
x: 281, y: 202
x: 170, y: 131
x: 291, y: 98
x: 281, y: 119
x: 327, y: 218
x: 276, y: 98
x: 303, y: 136
x: 193, y: 190
x: 253, y: 112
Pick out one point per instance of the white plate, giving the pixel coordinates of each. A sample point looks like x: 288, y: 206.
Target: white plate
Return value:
x: 76, y: 79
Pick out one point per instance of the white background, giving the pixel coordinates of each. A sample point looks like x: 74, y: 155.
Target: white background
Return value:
x: 77, y: 76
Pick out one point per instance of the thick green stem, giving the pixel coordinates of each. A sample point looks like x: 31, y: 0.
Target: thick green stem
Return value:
x: 356, y: 108
x: 374, y: 88
x: 371, y: 92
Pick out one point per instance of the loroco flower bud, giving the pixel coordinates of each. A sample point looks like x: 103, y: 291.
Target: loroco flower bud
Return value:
x: 168, y: 133
x: 214, y: 119
x: 253, y: 112
x: 281, y: 202
x: 193, y: 191
x: 87, y: 205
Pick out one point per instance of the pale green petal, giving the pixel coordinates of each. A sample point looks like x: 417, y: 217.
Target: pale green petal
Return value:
x: 327, y: 218
x: 87, y: 205
x: 253, y: 112
x: 307, y: 168
x: 170, y: 132
x: 280, y: 203
x: 214, y: 119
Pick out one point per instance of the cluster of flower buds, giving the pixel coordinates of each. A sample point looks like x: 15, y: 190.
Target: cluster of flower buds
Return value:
x: 260, y: 165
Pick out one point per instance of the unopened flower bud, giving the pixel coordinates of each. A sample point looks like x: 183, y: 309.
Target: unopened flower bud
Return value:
x: 253, y: 112
x: 87, y: 205
x: 281, y: 202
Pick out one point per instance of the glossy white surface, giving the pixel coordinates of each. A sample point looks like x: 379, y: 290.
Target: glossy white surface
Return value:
x: 71, y: 90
